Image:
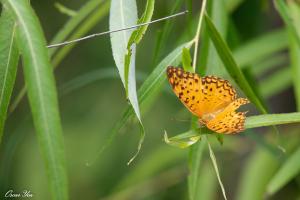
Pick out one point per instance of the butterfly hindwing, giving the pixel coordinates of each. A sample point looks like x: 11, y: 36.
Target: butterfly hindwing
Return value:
x: 217, y: 93
x: 229, y: 121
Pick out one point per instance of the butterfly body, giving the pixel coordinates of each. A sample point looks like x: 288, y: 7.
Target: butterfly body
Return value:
x: 213, y: 100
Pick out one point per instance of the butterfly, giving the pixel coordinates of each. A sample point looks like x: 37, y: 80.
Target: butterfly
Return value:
x: 213, y: 100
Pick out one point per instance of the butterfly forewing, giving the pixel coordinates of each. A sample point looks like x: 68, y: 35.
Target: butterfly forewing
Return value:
x: 186, y: 86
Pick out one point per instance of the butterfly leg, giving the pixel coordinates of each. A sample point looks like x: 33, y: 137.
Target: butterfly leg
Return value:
x: 201, y: 122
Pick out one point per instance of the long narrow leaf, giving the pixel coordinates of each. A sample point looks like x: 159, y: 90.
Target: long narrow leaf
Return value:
x: 9, y: 57
x: 272, y: 119
x: 42, y: 95
x: 231, y: 66
x: 124, y: 14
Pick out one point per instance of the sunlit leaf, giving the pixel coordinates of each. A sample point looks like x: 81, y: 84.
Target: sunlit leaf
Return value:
x: 183, y: 140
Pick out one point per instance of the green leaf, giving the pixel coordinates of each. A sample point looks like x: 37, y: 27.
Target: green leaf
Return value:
x: 135, y: 38
x: 42, y: 94
x: 187, y: 60
x: 272, y: 119
x: 286, y: 173
x: 122, y: 15
x: 183, y: 140
x: 284, y: 12
x: 9, y: 57
x: 231, y: 66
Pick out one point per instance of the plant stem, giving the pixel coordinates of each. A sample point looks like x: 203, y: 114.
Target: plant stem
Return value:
x: 197, y: 36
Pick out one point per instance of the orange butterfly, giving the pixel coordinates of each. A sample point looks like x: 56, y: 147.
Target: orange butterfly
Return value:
x: 212, y: 99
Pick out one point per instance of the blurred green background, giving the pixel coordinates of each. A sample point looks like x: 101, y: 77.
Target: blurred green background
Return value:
x: 90, y: 111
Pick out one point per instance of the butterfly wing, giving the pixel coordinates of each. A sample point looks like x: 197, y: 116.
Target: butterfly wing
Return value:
x: 229, y: 121
x: 217, y: 93
x: 201, y: 96
x: 187, y: 88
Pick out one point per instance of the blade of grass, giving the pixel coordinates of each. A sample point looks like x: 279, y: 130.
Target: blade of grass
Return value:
x: 231, y: 66
x: 271, y: 119
x: 42, y: 95
x: 9, y: 57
